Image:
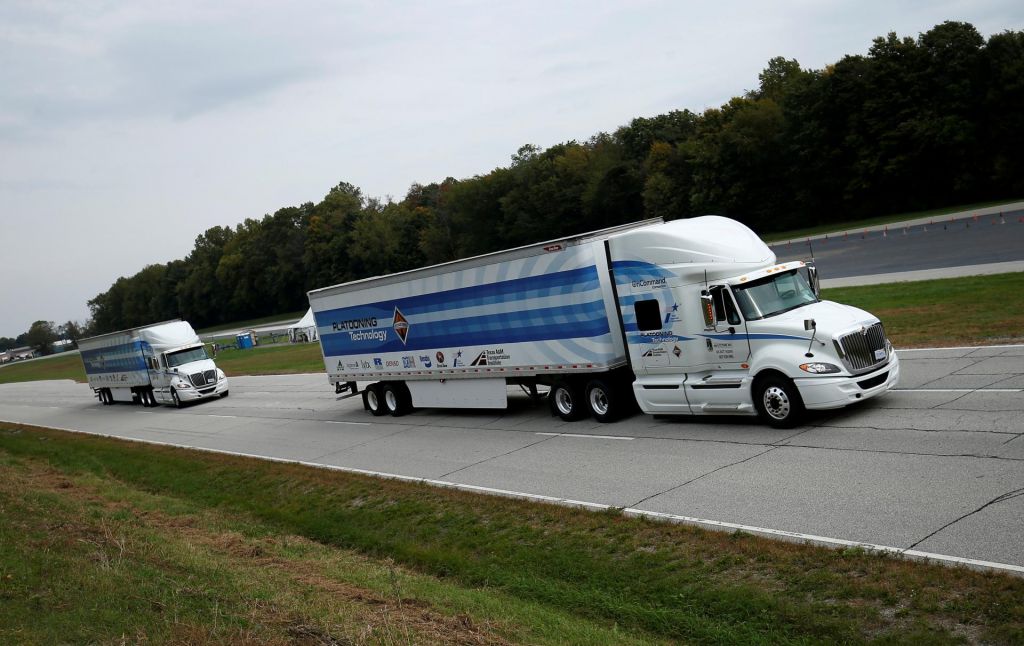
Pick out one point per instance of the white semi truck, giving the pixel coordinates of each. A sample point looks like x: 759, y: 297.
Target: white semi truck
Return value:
x: 684, y: 317
x: 164, y: 363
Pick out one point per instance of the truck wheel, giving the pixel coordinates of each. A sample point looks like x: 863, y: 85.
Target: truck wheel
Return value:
x: 396, y: 398
x: 778, y: 401
x: 224, y: 394
x: 108, y: 397
x: 373, y: 399
x: 174, y: 399
x: 566, y: 399
x: 604, y: 403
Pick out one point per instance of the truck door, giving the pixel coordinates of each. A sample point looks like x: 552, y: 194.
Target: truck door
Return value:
x: 726, y: 344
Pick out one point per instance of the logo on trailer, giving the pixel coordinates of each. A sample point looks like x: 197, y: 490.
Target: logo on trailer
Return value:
x: 408, y: 362
x: 491, y: 358
x: 401, y: 325
x: 378, y: 362
x: 459, y: 363
x: 425, y: 360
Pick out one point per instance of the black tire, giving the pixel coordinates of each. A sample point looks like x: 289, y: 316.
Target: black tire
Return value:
x: 566, y: 399
x: 108, y: 397
x: 373, y: 400
x: 396, y: 399
x: 175, y: 400
x: 604, y: 401
x: 145, y: 398
x: 778, y: 401
x: 224, y: 394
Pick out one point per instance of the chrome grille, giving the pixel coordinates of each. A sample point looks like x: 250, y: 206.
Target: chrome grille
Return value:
x: 857, y: 349
x: 203, y: 378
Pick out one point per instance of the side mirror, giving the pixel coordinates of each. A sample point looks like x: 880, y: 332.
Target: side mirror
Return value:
x: 812, y: 277
x: 810, y: 324
x: 707, y: 308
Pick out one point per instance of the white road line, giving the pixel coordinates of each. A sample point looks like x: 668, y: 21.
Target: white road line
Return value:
x: 595, y: 437
x: 224, y: 416
x: 327, y: 421
x: 960, y: 347
x: 672, y: 518
x: 958, y: 390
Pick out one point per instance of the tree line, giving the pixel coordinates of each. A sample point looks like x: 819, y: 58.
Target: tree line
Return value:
x: 913, y: 124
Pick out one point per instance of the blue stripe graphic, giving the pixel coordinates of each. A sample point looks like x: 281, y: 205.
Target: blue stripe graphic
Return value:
x: 572, y: 281
x: 585, y: 319
x: 126, y: 357
x: 544, y: 324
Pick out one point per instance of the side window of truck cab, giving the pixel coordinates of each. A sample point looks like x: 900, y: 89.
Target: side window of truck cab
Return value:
x: 648, y: 315
x: 725, y: 307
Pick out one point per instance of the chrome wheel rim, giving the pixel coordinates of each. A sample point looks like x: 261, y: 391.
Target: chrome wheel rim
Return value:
x: 776, y: 403
x: 371, y: 400
x: 599, y: 401
x: 391, y: 400
x: 563, y: 400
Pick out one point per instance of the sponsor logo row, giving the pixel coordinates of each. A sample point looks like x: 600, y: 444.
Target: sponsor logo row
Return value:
x: 488, y: 357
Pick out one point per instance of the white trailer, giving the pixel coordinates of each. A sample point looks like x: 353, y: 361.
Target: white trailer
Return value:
x: 163, y: 363
x: 685, y: 317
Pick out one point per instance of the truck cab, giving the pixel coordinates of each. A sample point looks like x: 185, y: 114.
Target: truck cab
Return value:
x: 715, y: 326
x: 184, y: 374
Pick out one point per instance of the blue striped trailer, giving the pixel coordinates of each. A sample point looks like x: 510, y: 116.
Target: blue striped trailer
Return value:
x: 684, y: 317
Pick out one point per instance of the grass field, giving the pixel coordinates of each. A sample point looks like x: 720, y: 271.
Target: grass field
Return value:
x: 884, y: 219
x: 107, y: 541
x: 948, y: 312
x: 61, y: 366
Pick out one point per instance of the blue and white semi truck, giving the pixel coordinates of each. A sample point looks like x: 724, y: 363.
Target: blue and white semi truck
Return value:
x: 163, y: 363
x: 684, y: 317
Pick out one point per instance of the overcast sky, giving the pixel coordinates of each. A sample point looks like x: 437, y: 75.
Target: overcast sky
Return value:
x: 128, y: 128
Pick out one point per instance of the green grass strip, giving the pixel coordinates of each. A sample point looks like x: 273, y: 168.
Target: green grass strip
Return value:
x: 669, y: 581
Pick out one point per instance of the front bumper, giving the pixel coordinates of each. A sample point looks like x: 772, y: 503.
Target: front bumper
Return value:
x: 206, y: 392
x: 835, y: 392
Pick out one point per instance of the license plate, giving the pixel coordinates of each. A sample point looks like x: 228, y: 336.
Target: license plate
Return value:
x: 879, y: 355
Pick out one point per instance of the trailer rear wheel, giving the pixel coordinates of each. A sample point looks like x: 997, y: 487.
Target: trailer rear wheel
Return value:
x: 778, y: 401
x: 604, y: 402
x: 566, y: 399
x: 397, y: 400
x: 373, y: 399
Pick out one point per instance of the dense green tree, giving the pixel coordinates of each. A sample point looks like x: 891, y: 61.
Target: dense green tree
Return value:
x: 41, y: 336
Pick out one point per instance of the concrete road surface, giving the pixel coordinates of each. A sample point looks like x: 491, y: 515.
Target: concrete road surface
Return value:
x: 935, y: 467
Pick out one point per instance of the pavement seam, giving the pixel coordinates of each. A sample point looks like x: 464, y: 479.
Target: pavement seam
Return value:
x: 495, y: 457
x: 692, y: 480
x: 1009, y: 495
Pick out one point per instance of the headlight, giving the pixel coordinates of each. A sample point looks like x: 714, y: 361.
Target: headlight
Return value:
x: 220, y: 375
x: 819, y: 368
x: 183, y: 385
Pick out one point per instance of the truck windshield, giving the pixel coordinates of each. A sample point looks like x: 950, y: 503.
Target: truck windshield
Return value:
x: 182, y: 357
x: 774, y: 295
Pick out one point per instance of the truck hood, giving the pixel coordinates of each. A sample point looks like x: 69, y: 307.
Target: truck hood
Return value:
x: 192, y: 367
x: 831, y: 318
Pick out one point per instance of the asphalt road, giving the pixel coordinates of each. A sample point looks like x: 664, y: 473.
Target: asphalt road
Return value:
x: 962, y: 242
x: 935, y: 467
